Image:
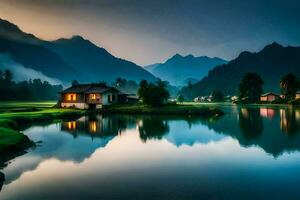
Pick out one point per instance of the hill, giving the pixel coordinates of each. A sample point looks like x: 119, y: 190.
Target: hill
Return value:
x: 150, y: 68
x: 66, y: 59
x: 94, y: 62
x: 271, y: 63
x: 180, y: 68
x: 26, y: 50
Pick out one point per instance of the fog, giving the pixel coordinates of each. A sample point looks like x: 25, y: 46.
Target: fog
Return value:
x: 21, y: 73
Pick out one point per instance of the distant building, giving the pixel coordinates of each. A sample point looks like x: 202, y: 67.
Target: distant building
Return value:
x: 269, y: 97
x: 234, y: 98
x: 90, y: 96
x: 297, y: 95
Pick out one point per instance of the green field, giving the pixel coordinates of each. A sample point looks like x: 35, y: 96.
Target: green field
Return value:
x: 14, y: 115
x: 24, y: 106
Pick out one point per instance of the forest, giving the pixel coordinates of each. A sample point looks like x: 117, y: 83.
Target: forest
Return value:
x: 27, y: 90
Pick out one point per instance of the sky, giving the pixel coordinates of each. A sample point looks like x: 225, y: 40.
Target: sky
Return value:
x: 152, y: 31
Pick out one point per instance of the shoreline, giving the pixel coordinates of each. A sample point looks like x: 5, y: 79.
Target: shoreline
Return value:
x: 177, y: 109
x: 12, y: 121
x: 12, y: 138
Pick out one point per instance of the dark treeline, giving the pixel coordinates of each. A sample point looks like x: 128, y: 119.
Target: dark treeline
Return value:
x: 131, y: 87
x: 126, y: 86
x: 26, y: 90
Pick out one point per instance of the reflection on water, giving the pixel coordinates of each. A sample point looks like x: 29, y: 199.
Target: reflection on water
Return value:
x: 162, y: 157
x: 152, y: 128
x: 289, y: 121
x: 251, y: 122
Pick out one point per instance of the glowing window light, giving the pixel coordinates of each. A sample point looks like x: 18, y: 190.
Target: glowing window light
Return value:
x: 93, y: 96
x: 71, y: 97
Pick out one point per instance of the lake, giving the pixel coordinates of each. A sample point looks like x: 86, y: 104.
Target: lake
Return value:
x: 249, y: 153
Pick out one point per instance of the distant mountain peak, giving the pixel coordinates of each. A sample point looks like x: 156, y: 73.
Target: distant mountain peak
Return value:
x: 190, y: 56
x: 74, y: 38
x: 275, y: 44
x: 176, y: 56
x: 179, y: 68
x: 13, y: 32
x: 67, y: 58
x: 271, y: 63
x: 78, y: 38
x: 179, y: 56
x: 272, y: 46
x: 4, y: 24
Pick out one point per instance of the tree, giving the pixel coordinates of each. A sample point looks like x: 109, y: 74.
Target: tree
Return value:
x: 126, y: 86
x: 75, y: 82
x: 1, y: 79
x: 250, y: 88
x: 26, y: 90
x: 120, y: 82
x: 7, y: 78
x: 153, y: 94
x: 180, y: 98
x: 142, y: 88
x: 217, y: 96
x: 289, y: 85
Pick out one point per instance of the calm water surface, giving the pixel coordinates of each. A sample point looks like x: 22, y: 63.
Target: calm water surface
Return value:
x: 250, y: 153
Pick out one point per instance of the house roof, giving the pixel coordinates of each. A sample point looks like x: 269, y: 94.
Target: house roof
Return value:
x: 89, y: 88
x: 270, y: 93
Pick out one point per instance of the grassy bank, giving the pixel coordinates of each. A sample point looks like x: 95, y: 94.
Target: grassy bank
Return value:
x: 177, y: 109
x: 12, y: 120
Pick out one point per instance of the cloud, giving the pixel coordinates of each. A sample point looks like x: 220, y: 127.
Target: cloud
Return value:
x: 21, y: 73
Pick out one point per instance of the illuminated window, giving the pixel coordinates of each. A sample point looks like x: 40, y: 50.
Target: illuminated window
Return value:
x: 71, y: 97
x: 93, y: 96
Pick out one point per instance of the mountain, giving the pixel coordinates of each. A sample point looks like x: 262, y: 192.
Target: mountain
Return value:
x: 95, y: 63
x: 271, y: 63
x: 179, y: 68
x: 13, y: 32
x: 66, y: 59
x: 26, y: 50
x: 150, y: 68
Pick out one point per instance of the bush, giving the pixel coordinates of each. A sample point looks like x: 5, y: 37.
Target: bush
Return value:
x: 280, y: 101
x: 217, y: 96
x: 295, y: 102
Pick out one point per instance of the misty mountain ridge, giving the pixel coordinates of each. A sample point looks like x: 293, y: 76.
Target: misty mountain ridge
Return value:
x: 271, y: 63
x: 66, y: 59
x: 13, y: 32
x: 178, y: 68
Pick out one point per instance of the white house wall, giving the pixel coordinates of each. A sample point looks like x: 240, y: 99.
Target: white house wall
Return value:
x: 74, y: 105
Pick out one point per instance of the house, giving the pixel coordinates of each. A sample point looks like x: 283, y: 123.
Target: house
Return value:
x: 269, y: 97
x: 234, y: 99
x: 128, y: 98
x: 88, y: 96
x: 297, y: 95
x: 203, y: 99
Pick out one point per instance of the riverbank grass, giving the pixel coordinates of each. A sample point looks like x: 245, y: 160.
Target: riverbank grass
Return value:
x: 11, y: 122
